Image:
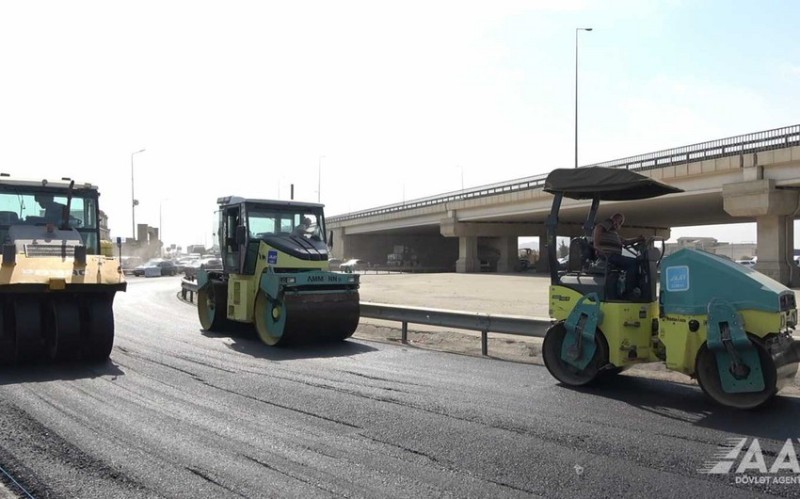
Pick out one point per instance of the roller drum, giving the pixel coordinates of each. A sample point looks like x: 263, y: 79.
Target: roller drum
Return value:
x: 307, y: 318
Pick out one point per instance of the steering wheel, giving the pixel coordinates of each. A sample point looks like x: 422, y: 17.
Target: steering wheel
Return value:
x: 636, y: 247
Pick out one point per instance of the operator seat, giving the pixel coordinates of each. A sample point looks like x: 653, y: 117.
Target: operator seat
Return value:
x: 583, y: 258
x: 581, y: 274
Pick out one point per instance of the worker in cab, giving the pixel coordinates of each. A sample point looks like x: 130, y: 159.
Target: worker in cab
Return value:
x: 53, y: 212
x: 608, y: 244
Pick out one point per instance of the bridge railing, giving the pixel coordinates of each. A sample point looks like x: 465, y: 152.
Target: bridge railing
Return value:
x: 477, y: 192
x: 740, y: 144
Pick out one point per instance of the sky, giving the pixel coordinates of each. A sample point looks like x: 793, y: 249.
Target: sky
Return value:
x: 360, y: 104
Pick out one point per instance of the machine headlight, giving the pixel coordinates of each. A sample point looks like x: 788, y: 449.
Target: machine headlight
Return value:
x: 288, y: 280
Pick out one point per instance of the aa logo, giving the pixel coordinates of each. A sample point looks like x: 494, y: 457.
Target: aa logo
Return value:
x: 738, y: 457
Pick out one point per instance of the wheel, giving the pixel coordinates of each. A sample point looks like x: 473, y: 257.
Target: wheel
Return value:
x: 565, y: 372
x: 98, y: 337
x: 64, y: 330
x: 211, y: 304
x: 6, y: 339
x: 28, y: 320
x: 269, y: 320
x: 708, y: 378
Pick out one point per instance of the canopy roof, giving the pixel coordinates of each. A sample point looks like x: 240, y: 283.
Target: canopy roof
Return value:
x: 613, y: 184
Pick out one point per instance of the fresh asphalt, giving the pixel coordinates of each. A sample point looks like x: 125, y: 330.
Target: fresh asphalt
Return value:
x: 177, y: 412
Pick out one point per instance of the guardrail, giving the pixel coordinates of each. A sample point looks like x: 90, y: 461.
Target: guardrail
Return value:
x: 471, y: 321
x: 739, y: 144
x: 485, y: 323
x: 188, y: 288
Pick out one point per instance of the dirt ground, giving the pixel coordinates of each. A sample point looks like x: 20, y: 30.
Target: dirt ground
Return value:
x: 502, y: 294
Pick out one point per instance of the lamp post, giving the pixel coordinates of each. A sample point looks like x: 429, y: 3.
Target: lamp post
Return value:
x: 133, y: 198
x: 462, y: 176
x: 319, y: 179
x: 576, y: 91
x: 161, y: 225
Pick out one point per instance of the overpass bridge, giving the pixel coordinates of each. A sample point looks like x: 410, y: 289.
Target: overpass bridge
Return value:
x: 747, y: 178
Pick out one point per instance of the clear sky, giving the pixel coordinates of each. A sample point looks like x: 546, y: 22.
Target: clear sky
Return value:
x: 388, y: 100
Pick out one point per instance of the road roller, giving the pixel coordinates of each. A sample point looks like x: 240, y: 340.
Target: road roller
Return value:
x: 702, y: 315
x: 57, y: 287
x: 276, y: 275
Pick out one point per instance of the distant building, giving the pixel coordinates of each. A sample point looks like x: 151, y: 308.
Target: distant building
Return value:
x: 105, y: 234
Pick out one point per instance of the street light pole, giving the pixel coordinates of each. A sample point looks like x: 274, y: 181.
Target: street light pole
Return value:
x: 319, y: 179
x: 161, y: 226
x: 133, y: 199
x: 576, y: 91
x: 462, y: 176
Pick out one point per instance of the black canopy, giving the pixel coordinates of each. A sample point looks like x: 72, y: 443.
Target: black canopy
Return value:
x: 614, y: 184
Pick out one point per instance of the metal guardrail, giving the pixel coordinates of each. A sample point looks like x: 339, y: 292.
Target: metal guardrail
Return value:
x: 739, y: 144
x: 188, y: 288
x: 485, y: 323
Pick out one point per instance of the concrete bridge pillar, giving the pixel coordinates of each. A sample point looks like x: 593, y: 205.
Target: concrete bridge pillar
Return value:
x: 501, y: 237
x: 775, y: 238
x: 774, y: 210
x: 509, y: 254
x: 543, y: 265
x: 340, y: 247
x: 468, y: 255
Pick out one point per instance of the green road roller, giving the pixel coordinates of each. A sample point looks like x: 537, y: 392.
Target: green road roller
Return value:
x: 723, y: 324
x: 276, y: 275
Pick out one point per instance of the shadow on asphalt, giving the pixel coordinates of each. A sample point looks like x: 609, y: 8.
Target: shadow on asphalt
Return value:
x: 776, y: 420
x: 68, y: 371
x: 246, y: 341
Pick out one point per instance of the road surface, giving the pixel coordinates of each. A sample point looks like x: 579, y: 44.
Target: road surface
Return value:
x: 182, y: 413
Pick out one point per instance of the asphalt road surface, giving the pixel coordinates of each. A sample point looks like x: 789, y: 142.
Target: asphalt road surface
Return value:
x: 181, y: 413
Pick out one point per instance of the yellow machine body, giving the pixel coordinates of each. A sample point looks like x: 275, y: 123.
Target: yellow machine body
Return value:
x: 243, y: 288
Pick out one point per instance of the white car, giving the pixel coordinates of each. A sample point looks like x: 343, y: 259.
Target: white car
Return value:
x: 352, y: 265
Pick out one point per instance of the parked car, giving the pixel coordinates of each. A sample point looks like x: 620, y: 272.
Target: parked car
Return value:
x: 166, y: 267
x: 129, y: 264
x: 352, y: 265
x: 184, y: 262
x: 212, y: 263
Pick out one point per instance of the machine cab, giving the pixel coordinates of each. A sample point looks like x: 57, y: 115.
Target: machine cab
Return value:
x: 587, y: 271
x: 294, y: 228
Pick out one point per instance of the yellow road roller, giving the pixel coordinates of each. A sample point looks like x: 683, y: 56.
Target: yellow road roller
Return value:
x: 705, y: 316
x: 56, y: 286
x: 276, y: 275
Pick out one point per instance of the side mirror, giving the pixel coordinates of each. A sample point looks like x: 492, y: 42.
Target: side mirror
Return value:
x: 241, y: 234
x: 330, y: 239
